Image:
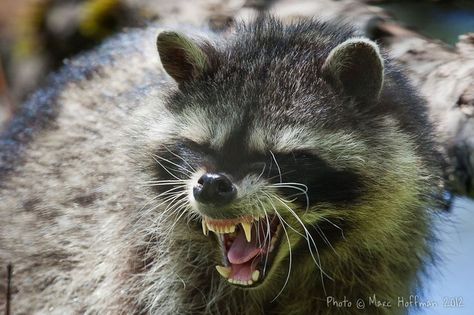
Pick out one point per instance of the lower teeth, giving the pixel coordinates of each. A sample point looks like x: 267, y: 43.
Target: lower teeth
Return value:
x: 255, y: 275
x: 225, y: 273
x: 241, y: 282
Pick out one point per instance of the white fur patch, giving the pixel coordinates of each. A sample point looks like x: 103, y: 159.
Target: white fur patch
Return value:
x: 337, y: 148
x: 202, y: 127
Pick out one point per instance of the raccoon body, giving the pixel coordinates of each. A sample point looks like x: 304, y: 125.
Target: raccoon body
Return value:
x: 278, y: 170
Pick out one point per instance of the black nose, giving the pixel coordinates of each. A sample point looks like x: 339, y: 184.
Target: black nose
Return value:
x: 214, y: 189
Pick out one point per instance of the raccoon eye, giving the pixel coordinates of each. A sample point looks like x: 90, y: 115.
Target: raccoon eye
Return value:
x: 196, y: 147
x: 301, y: 155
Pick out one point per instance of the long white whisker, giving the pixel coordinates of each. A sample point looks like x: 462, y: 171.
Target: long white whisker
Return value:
x: 324, y: 237
x: 278, y: 166
x: 180, y: 157
x: 267, y: 236
x: 308, y: 239
x: 164, y: 181
x: 284, y: 173
x: 290, y: 261
x: 165, y: 184
x: 336, y: 226
x: 170, y: 195
x: 171, y: 162
x: 296, y: 186
x: 262, y: 172
x: 166, y: 169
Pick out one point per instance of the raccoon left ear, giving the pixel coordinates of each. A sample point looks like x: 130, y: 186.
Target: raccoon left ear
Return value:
x: 183, y: 58
x: 356, y: 67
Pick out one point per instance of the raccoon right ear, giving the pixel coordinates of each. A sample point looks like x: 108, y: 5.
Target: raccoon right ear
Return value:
x: 357, y: 67
x: 182, y: 58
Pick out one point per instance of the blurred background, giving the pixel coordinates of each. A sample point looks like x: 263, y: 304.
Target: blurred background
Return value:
x: 36, y: 36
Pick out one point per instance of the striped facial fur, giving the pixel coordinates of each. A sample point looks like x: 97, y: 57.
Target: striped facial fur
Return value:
x: 288, y: 151
x: 251, y: 199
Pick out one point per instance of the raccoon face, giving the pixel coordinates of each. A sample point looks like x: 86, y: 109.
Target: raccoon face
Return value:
x: 264, y: 150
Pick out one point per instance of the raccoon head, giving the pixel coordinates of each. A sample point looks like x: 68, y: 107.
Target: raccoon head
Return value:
x: 276, y: 141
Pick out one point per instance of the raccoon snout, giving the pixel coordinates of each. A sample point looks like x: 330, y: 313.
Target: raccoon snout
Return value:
x: 216, y: 189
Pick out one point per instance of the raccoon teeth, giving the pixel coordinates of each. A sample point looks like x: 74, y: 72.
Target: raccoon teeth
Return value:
x: 227, y: 227
x: 224, y: 271
x: 248, y: 230
x: 241, y: 282
x: 222, y: 229
x: 205, y: 230
x: 255, y: 275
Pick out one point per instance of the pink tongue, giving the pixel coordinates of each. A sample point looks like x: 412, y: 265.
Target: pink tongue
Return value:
x: 242, y: 251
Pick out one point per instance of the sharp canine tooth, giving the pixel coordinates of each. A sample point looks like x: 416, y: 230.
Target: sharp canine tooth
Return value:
x: 210, y: 227
x: 255, y: 275
x: 224, y: 271
x: 205, y: 230
x: 248, y: 230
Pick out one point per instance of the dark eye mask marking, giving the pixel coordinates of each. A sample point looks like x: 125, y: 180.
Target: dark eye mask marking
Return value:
x: 325, y: 183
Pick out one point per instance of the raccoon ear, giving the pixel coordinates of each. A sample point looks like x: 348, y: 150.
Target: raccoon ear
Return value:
x: 183, y: 59
x: 356, y: 67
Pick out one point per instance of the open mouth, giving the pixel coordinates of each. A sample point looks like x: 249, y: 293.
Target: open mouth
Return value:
x: 248, y: 247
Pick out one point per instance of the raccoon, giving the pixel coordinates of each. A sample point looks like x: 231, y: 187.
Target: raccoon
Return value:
x: 280, y: 169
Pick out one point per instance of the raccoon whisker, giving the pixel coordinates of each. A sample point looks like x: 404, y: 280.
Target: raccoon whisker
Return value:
x: 262, y: 172
x: 164, y: 183
x: 290, y: 261
x: 324, y: 237
x: 181, y: 158
x: 169, y: 200
x: 291, y: 227
x: 291, y: 183
x: 174, y: 209
x: 290, y: 257
x: 166, y: 169
x: 172, y: 205
x: 284, y: 173
x: 183, y: 211
x: 303, y: 191
x: 259, y: 241
x: 172, y: 163
x: 146, y: 212
x: 292, y: 212
x: 296, y: 186
x: 336, y: 226
x: 278, y: 166
x: 267, y: 236
x: 167, y: 192
x: 309, y: 240
x: 152, y: 231
x: 170, y: 195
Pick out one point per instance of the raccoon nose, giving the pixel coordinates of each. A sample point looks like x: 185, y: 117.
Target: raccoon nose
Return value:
x: 214, y: 189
